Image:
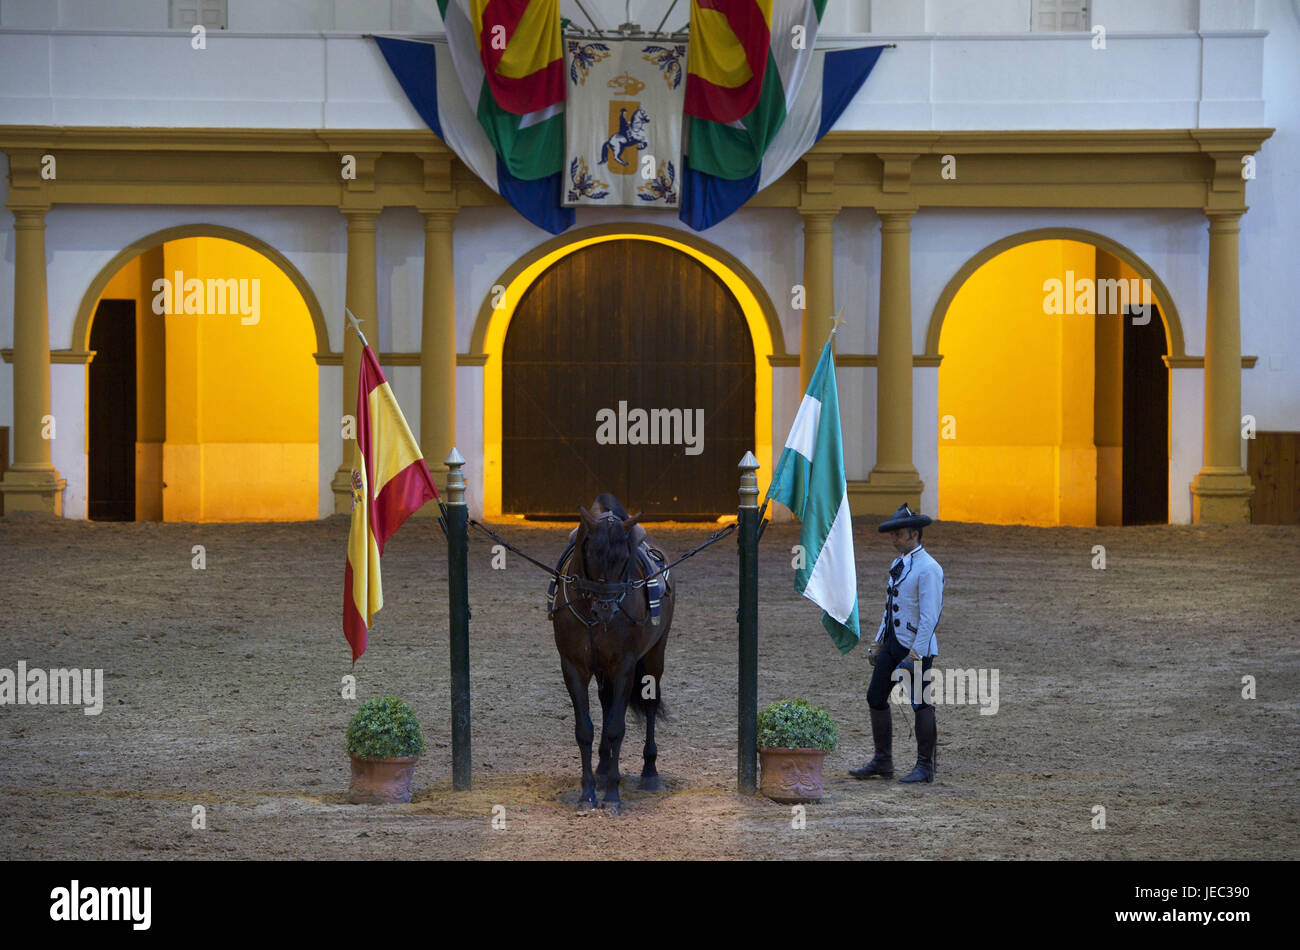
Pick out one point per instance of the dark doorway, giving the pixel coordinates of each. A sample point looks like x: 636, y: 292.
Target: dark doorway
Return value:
x: 639, y: 324
x: 1145, y: 479
x: 111, y: 402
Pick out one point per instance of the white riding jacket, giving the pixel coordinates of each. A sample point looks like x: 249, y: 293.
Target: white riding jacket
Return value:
x: 917, y: 602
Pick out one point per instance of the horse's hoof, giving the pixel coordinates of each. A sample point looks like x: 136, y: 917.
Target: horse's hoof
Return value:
x: 586, y: 808
x: 613, y: 808
x: 651, y: 783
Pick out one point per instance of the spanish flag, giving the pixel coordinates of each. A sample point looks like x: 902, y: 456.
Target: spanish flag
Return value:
x: 729, y: 50
x: 390, y: 481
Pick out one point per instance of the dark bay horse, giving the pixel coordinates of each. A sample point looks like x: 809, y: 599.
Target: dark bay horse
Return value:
x: 604, y: 628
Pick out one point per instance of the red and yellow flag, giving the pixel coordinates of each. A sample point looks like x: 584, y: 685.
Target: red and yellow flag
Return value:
x: 522, y: 50
x: 390, y: 481
x: 730, y: 43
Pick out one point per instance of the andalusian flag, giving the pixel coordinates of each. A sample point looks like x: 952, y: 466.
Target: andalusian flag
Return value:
x: 809, y: 480
x: 509, y: 55
x: 390, y: 481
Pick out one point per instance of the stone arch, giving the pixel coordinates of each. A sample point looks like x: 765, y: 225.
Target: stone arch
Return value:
x: 1164, y: 300
x: 489, y: 310
x: 86, y: 310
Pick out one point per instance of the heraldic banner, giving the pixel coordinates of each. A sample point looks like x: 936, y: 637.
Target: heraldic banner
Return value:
x: 623, y: 122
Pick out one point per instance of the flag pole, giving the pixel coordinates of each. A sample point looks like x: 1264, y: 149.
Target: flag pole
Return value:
x: 356, y: 325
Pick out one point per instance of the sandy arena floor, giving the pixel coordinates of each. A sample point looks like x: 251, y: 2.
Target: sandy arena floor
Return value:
x: 1119, y: 688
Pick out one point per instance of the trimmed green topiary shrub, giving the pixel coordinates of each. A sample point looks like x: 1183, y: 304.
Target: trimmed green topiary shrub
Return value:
x: 384, y: 728
x: 796, y: 724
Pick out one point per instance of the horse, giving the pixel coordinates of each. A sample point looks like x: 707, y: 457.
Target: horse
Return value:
x: 629, y: 134
x: 604, y: 627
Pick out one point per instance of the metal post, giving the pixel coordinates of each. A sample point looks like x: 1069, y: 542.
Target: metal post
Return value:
x: 458, y: 617
x: 747, y: 689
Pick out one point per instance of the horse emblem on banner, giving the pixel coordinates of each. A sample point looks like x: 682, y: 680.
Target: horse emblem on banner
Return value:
x: 630, y: 134
x: 623, y: 123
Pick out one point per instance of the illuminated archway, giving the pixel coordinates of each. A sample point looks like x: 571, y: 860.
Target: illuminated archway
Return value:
x: 497, y: 309
x: 1053, y: 404
x: 1165, y: 300
x: 227, y: 393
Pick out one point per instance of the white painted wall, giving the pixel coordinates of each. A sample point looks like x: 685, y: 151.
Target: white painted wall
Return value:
x: 842, y: 16
x: 1270, y: 235
x: 1038, y: 81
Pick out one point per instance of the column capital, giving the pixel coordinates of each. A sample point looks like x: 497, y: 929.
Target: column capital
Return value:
x: 895, y: 219
x: 28, y: 216
x: 361, y: 219
x: 439, y: 219
x: 1224, y: 221
x: 818, y: 219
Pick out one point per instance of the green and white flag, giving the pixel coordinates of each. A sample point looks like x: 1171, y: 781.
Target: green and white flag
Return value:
x: 809, y: 480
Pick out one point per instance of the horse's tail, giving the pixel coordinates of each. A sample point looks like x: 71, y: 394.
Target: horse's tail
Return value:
x: 641, y: 705
x: 604, y: 153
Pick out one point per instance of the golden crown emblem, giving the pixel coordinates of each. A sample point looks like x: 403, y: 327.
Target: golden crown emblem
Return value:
x: 627, y: 84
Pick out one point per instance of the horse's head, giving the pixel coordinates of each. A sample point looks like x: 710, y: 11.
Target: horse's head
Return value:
x: 640, y: 117
x: 606, y: 547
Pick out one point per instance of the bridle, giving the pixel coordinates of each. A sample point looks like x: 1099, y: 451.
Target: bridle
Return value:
x: 604, y: 597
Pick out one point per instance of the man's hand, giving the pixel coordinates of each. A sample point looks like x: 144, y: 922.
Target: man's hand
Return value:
x: 873, y: 652
x: 911, y: 655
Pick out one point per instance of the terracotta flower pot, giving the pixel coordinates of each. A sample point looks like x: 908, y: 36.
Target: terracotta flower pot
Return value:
x: 792, y: 775
x: 381, y: 781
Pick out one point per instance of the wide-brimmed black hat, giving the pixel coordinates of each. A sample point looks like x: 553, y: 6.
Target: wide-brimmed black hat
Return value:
x: 904, y: 517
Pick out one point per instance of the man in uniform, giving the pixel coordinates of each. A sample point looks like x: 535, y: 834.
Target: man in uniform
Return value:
x: 913, y: 603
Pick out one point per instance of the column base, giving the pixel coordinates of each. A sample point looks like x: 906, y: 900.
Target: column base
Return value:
x: 341, y: 486
x: 883, y: 492
x: 33, y: 489
x: 1221, y: 496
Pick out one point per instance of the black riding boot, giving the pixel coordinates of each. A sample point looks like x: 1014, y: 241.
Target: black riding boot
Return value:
x: 926, y: 738
x: 882, y: 735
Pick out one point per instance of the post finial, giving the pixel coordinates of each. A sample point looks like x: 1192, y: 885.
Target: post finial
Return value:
x: 749, y: 481
x: 455, y: 478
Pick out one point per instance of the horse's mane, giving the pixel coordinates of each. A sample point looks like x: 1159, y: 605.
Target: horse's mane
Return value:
x: 607, y: 542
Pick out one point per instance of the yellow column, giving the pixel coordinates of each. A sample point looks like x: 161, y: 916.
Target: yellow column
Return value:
x: 893, y: 479
x: 363, y: 301
x: 819, y: 290
x: 438, y: 345
x: 1221, y: 490
x: 1108, y: 401
x: 31, y: 483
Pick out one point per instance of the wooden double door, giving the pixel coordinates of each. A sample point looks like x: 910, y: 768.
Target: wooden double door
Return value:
x: 628, y: 368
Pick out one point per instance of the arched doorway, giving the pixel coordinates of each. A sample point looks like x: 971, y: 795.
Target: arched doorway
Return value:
x: 628, y: 367
x: 202, y: 391
x: 1054, y: 390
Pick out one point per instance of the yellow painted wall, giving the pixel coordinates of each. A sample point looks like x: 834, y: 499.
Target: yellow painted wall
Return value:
x: 1018, y: 383
x: 241, y: 396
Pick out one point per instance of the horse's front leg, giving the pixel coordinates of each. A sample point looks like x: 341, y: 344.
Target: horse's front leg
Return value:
x: 604, y: 689
x: 583, y: 730
x: 614, y: 726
